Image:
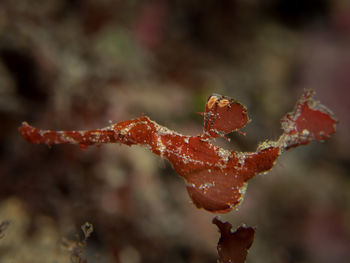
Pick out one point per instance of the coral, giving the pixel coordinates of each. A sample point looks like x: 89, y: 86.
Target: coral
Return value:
x: 75, y: 248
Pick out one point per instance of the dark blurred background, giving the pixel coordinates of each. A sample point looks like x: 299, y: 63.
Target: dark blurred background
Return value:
x: 79, y: 64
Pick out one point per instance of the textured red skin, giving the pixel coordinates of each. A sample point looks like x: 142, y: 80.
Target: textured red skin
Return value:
x: 216, y: 178
x: 309, y: 121
x: 222, y: 119
x: 233, y: 246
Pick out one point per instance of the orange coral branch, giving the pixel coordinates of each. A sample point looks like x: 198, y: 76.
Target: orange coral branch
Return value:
x: 216, y: 178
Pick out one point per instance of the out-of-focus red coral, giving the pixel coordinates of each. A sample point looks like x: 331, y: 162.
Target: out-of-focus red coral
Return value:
x: 216, y: 178
x: 151, y: 23
x: 233, y: 246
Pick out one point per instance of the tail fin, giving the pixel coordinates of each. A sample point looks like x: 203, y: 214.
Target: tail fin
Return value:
x: 310, y: 120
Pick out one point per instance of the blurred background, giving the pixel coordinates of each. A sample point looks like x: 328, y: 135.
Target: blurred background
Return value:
x: 81, y: 64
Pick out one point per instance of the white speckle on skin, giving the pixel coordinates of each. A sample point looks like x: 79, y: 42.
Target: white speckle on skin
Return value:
x: 305, y: 132
x: 206, y: 186
x: 160, y: 146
